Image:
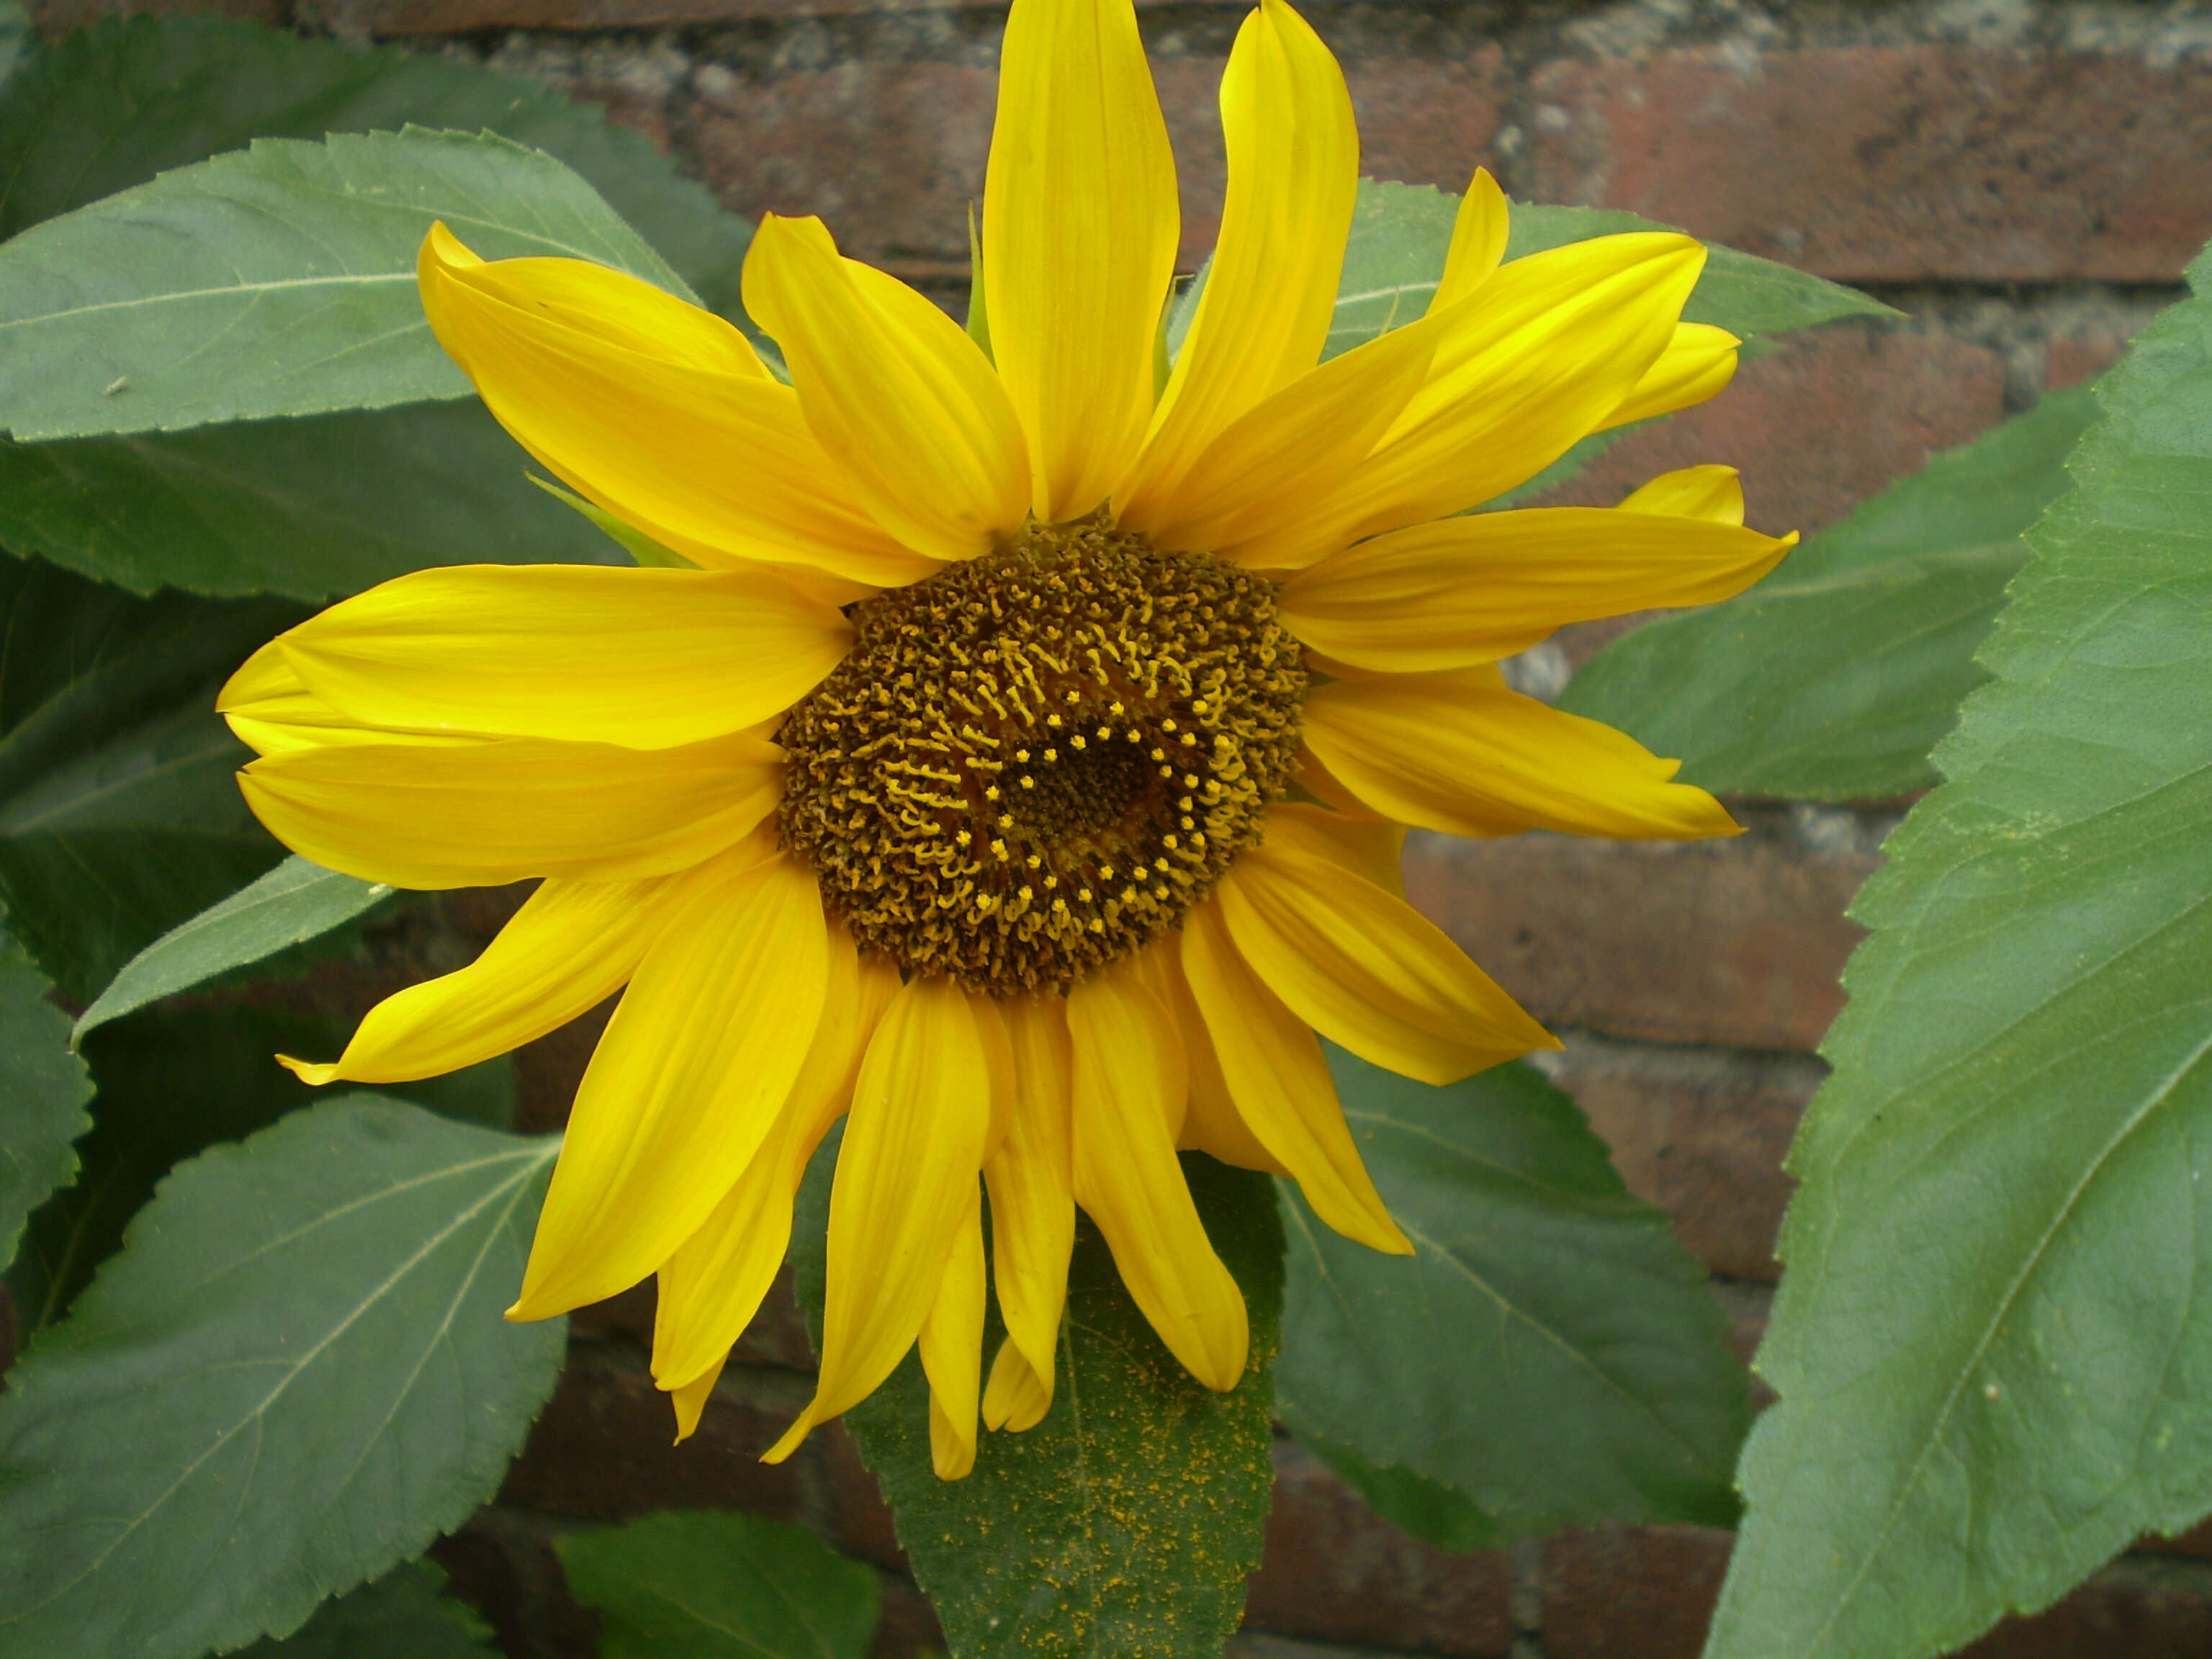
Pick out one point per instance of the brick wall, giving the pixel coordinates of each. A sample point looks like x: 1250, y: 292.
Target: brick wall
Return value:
x: 2026, y: 179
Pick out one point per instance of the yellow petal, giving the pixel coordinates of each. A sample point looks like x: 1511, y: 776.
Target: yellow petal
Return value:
x: 1697, y: 364
x: 1015, y: 1399
x: 691, y: 1400
x: 272, y: 712
x: 906, y: 1179
x: 571, y: 946
x: 894, y: 390
x: 1477, y: 241
x: 1464, y: 591
x: 1370, y: 847
x: 1367, y: 970
x: 685, y: 1084
x: 1271, y: 288
x: 1695, y: 492
x: 1080, y: 232
x: 647, y: 659
x: 1463, y: 753
x: 646, y: 415
x: 1281, y: 1084
x: 1287, y: 457
x: 712, y: 1287
x: 1129, y: 1066
x: 505, y: 809
x: 1540, y: 354
x: 1031, y: 1181
x: 951, y: 1345
x: 1208, y: 1120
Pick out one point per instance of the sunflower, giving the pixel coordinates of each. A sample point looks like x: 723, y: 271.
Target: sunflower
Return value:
x: 1019, y: 769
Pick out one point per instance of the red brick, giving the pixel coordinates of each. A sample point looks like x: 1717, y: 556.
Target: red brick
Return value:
x: 605, y: 1449
x: 2071, y: 359
x: 57, y: 17
x: 2130, y: 1610
x: 1642, y: 1591
x: 468, y: 17
x: 1702, y: 1136
x: 908, y: 1628
x: 1335, y: 1570
x: 1737, y: 943
x: 1895, y: 163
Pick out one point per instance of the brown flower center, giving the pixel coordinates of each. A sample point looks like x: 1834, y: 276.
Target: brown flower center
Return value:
x: 1032, y: 763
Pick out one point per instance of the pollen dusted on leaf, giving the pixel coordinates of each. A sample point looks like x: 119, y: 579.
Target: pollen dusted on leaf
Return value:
x: 982, y: 788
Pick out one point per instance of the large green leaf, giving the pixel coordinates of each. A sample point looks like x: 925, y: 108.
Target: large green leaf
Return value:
x: 1126, y: 1522
x: 16, y: 40
x: 295, y: 901
x: 43, y: 1090
x: 119, y: 814
x: 1993, y: 1342
x: 703, y: 1584
x: 1834, y: 678
x: 107, y: 108
x: 293, y: 1375
x: 173, y: 1082
x: 277, y: 281
x: 400, y: 1616
x: 309, y: 508
x: 1548, y: 1356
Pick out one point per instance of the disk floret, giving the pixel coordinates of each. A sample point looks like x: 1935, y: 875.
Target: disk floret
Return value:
x: 1032, y: 763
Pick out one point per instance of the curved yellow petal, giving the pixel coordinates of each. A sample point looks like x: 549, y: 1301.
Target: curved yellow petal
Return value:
x: 894, y: 389
x: 1281, y: 1084
x: 1367, y: 970
x: 1698, y: 363
x: 951, y: 1344
x: 1080, y: 232
x: 1287, y: 457
x: 906, y: 1180
x: 1462, y: 752
x: 272, y: 713
x: 573, y: 944
x: 1478, y: 243
x: 711, y: 1287
x: 1694, y: 492
x: 1015, y: 1399
x: 1470, y: 590
x: 474, y: 814
x: 645, y: 658
x: 691, y: 1400
x: 1271, y: 288
x: 1207, y: 1121
x: 1031, y: 1180
x: 653, y: 410
x: 686, y: 1084
x: 1539, y: 356
x: 1371, y: 847
x: 1129, y: 1067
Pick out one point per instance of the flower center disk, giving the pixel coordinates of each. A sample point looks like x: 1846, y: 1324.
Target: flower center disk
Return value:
x: 1032, y: 763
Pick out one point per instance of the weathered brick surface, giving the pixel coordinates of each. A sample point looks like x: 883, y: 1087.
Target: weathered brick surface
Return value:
x: 54, y: 17
x: 1895, y: 163
x: 1700, y: 1132
x: 1336, y: 1572
x: 1631, y: 1592
x: 1737, y: 943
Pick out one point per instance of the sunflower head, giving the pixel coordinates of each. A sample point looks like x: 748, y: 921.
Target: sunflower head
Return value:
x: 1019, y: 774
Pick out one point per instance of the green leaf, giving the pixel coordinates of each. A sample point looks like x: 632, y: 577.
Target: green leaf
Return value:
x: 1399, y: 234
x: 119, y: 812
x: 173, y: 1082
x: 294, y: 902
x: 1548, y: 1356
x: 308, y: 508
x: 1125, y: 1522
x: 641, y: 547
x: 107, y: 108
x: 402, y: 1615
x: 43, y: 1090
x: 702, y: 1584
x: 1993, y: 1341
x: 1834, y: 678
x: 280, y: 280
x: 293, y: 1375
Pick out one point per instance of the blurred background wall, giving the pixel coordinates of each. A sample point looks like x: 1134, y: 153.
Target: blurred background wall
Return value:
x: 2025, y: 178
